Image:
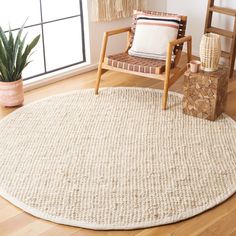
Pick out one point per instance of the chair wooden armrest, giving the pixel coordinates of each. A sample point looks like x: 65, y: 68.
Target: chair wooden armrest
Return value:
x: 171, y: 45
x: 104, y: 48
x: 105, y: 40
x: 117, y: 31
x: 181, y: 40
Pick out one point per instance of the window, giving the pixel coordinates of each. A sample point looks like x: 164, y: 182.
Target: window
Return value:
x: 60, y: 24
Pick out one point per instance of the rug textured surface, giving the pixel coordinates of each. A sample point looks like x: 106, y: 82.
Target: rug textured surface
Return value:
x: 115, y: 161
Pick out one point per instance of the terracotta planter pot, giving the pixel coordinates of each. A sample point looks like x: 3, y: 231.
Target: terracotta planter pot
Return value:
x: 11, y: 93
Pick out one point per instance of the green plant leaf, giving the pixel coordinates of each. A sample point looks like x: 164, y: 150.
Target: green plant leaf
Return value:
x: 24, y: 58
x: 34, y: 42
x: 19, y: 58
x: 10, y: 53
x: 4, y: 59
x: 4, y: 72
x: 27, y: 51
x: 4, y: 38
x: 17, y: 44
x: 3, y: 54
x: 27, y: 63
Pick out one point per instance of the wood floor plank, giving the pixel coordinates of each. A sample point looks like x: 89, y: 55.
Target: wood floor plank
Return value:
x: 15, y: 223
x: 233, y: 233
x: 59, y: 230
x: 165, y: 230
x: 8, y: 212
x: 85, y: 232
x: 35, y: 228
x: 223, y: 229
x: 205, y: 220
x: 2, y: 203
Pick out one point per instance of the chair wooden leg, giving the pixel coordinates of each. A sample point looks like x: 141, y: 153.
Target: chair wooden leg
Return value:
x: 166, y: 82
x: 102, y: 56
x: 165, y: 94
x: 99, y: 75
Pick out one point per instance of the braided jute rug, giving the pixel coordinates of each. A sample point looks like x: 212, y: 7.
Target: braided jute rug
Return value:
x: 115, y: 161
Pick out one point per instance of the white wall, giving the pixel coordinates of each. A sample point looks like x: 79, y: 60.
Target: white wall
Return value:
x: 117, y: 43
x: 157, y: 5
x: 196, y: 12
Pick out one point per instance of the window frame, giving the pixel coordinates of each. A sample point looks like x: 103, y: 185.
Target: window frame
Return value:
x: 41, y: 24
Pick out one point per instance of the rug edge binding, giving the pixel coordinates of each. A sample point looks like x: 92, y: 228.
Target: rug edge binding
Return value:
x: 63, y: 221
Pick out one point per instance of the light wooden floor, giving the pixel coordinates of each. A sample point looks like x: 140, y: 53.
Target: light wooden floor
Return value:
x: 220, y: 221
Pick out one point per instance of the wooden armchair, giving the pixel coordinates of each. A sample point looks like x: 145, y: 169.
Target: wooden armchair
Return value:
x: 168, y: 71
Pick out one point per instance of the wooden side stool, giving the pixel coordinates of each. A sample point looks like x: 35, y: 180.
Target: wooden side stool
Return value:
x: 205, y: 93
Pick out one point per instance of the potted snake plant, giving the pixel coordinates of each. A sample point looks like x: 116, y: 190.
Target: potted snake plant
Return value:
x: 14, y: 55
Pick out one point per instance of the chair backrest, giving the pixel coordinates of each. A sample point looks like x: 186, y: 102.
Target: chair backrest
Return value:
x: 181, y: 33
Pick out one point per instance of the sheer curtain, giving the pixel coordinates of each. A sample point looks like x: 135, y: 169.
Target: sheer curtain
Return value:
x: 107, y: 10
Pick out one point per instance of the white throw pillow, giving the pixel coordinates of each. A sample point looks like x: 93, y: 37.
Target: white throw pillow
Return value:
x: 152, y: 35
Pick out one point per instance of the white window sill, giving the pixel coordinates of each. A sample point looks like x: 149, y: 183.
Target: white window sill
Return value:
x: 57, y: 76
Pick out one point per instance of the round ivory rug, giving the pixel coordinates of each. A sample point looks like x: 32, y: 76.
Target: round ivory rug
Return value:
x: 115, y: 161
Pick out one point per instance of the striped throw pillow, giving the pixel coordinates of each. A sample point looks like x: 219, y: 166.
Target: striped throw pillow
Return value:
x: 152, y: 35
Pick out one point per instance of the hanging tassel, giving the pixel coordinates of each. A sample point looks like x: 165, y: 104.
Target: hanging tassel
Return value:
x: 107, y: 10
x: 119, y: 5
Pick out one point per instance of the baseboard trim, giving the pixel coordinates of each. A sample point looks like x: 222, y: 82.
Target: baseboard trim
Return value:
x: 40, y: 82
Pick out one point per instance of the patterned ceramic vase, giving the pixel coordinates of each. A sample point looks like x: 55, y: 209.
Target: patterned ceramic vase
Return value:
x: 11, y: 93
x: 210, y: 51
